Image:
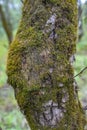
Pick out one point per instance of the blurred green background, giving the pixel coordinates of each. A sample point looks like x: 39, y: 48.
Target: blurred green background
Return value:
x: 10, y: 116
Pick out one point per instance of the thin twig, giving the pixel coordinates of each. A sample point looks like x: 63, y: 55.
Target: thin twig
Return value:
x: 81, y: 71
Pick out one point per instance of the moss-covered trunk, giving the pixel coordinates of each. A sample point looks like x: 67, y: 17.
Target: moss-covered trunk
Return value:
x: 40, y: 68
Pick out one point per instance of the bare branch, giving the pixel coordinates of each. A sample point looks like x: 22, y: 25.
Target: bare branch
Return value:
x: 81, y: 72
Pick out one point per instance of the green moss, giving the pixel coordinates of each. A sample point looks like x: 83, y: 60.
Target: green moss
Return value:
x: 38, y: 64
x: 33, y: 38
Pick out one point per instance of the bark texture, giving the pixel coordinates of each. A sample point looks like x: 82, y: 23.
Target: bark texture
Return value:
x: 39, y: 65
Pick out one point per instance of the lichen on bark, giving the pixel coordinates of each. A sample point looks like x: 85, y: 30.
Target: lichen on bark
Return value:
x: 39, y: 65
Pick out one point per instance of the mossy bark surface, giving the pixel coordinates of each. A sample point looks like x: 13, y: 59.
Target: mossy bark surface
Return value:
x: 39, y: 65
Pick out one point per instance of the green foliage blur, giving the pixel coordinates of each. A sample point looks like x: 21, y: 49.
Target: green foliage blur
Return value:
x: 81, y: 59
x: 10, y: 116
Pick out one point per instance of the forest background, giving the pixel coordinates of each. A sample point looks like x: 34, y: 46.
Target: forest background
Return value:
x: 10, y: 115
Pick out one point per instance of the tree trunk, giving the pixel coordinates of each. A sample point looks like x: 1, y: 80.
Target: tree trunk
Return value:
x: 40, y: 68
x: 80, y: 22
x: 6, y: 25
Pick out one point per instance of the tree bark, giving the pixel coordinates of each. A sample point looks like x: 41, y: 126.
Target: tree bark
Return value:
x: 80, y: 22
x: 39, y: 65
x: 6, y: 25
